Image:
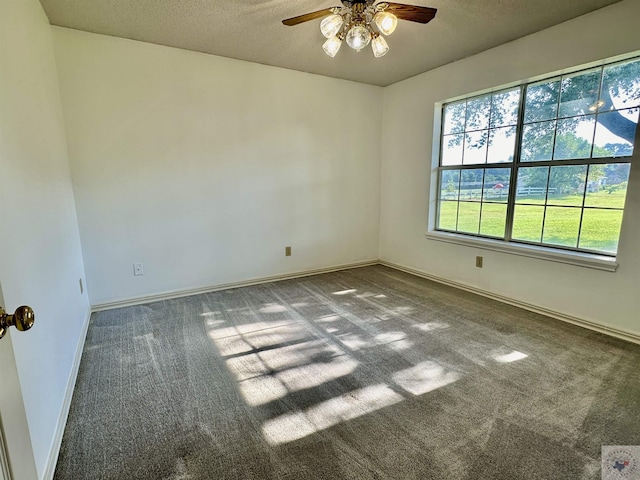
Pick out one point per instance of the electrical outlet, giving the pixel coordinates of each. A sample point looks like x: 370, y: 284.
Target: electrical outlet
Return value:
x: 138, y: 269
x: 479, y: 262
x: 81, y: 287
x: 287, y: 251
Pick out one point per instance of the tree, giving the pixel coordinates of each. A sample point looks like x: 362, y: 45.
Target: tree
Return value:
x: 571, y: 98
x: 580, y: 94
x: 564, y: 179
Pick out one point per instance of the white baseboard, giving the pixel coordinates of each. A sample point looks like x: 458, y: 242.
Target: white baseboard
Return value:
x: 66, y: 404
x: 607, y: 330
x: 127, y: 302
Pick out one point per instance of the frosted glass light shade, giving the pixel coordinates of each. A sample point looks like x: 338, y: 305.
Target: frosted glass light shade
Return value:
x: 379, y: 46
x: 331, y: 25
x: 358, y: 37
x: 386, y: 22
x: 331, y: 46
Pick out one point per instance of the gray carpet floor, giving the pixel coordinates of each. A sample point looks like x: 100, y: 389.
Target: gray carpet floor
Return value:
x: 367, y: 373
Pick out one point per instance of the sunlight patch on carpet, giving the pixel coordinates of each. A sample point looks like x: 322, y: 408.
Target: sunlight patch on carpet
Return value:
x: 273, y: 308
x: 353, y: 341
x: 509, y: 357
x: 431, y: 326
x: 425, y: 377
x: 296, y: 425
x: 328, y: 318
x: 345, y: 292
x: 270, y: 367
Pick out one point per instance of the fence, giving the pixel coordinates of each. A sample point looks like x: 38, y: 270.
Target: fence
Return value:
x: 542, y: 191
x: 474, y: 191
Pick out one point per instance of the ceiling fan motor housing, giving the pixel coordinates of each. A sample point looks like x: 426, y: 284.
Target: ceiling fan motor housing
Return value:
x: 351, y: 3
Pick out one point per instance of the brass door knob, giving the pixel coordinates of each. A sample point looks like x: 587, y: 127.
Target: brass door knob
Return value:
x: 22, y: 319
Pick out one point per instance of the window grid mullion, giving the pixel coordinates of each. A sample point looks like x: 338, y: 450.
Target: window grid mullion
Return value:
x: 484, y: 175
x: 597, y: 114
x: 464, y: 131
x: 584, y: 200
x: 546, y: 201
x: 439, y: 183
x: 555, y: 128
x: 458, y: 201
x: 577, y: 161
x: 513, y: 179
x: 476, y: 166
x: 545, y: 163
x: 486, y: 154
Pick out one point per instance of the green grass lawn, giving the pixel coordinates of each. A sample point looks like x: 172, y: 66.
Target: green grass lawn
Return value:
x: 600, y: 227
x: 596, y: 199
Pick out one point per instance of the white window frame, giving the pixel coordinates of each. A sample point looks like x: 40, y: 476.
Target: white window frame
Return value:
x: 549, y: 253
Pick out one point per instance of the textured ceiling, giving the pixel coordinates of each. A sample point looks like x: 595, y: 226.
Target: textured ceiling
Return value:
x: 252, y: 30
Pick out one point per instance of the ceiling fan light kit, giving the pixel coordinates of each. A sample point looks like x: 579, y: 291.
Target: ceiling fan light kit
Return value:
x: 331, y: 46
x: 355, y: 21
x: 358, y: 37
x: 331, y: 25
x: 379, y: 46
x: 386, y: 22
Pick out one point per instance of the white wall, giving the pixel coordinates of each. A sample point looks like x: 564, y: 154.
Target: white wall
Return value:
x: 205, y: 168
x: 40, y: 256
x: 610, y: 299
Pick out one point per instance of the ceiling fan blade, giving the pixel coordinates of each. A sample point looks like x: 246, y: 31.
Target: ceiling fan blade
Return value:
x: 308, y: 16
x: 413, y: 13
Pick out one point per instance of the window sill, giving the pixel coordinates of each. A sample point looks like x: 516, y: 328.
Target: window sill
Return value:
x: 599, y: 262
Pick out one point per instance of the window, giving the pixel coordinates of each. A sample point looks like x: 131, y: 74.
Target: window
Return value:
x: 546, y: 163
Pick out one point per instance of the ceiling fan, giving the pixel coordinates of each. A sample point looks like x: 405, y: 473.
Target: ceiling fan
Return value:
x: 355, y: 19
